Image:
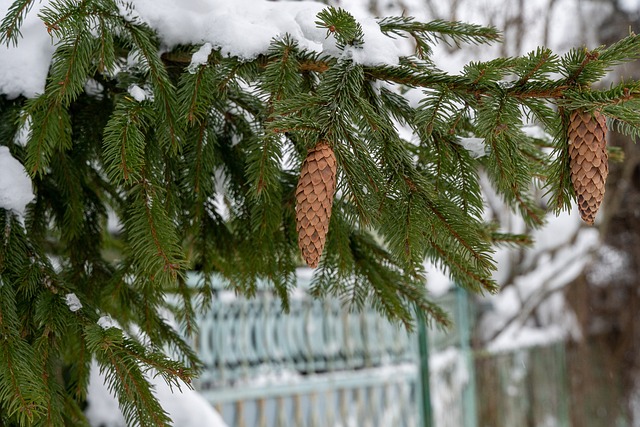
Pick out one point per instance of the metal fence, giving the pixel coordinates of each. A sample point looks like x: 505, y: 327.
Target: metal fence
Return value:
x: 323, y: 365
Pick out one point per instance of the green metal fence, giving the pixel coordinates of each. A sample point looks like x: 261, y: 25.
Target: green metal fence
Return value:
x: 323, y: 365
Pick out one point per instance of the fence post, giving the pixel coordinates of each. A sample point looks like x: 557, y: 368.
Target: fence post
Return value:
x: 423, y: 351
x: 464, y: 325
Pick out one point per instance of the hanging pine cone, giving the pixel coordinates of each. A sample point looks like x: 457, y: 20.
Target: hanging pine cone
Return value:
x: 314, y: 198
x: 589, y: 160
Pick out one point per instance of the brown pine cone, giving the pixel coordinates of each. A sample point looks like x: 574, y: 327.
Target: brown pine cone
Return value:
x: 314, y: 199
x: 589, y: 160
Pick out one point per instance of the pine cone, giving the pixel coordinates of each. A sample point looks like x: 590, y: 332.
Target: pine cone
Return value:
x: 314, y: 198
x: 589, y: 160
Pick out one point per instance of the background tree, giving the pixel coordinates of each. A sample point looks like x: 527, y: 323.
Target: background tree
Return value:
x: 197, y: 152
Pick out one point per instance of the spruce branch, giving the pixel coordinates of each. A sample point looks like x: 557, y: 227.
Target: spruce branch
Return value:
x: 203, y: 176
x: 118, y: 358
x: 54, y: 133
x: 124, y: 141
x: 342, y: 25
x: 439, y: 30
x: 10, y: 26
x: 165, y: 93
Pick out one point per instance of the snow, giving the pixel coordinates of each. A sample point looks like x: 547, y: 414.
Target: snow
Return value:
x: 186, y: 407
x: 517, y: 337
x: 93, y: 88
x: 24, y: 68
x: 200, y: 57
x: 475, y: 146
x: 244, y: 29
x: 535, y: 131
x: 22, y: 135
x: 610, y: 265
x: 73, y: 302
x: 15, y: 185
x: 138, y: 93
x: 270, y: 378
x: 438, y: 281
x: 106, y: 322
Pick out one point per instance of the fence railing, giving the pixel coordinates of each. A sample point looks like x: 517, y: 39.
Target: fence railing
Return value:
x: 322, y: 365
x: 319, y: 364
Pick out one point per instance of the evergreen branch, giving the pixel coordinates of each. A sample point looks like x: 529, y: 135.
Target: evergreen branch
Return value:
x: 12, y: 21
x: 118, y: 360
x: 54, y: 392
x: 124, y: 141
x: 573, y: 71
x: 511, y: 240
x: 621, y: 94
x: 152, y: 240
x: 169, y: 261
x: 460, y: 272
x: 165, y: 94
x: 342, y: 25
x: 507, y: 166
x: 198, y: 94
x: 455, y: 232
x: 63, y: 17
x: 439, y: 30
x: 54, y: 133
x: 106, y: 47
x: 620, y: 52
x: 19, y: 385
x: 535, y: 65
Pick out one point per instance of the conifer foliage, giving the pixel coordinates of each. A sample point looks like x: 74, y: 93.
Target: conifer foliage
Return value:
x: 204, y: 174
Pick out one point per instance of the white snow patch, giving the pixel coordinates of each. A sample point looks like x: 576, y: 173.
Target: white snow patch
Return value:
x: 15, y: 185
x: 559, y: 256
x: 93, y: 88
x: 438, y: 280
x: 106, y: 322
x: 245, y: 28
x: 24, y: 68
x: 611, y: 264
x: 73, y: 302
x: 272, y: 377
x: 200, y: 57
x: 22, y: 135
x: 138, y: 93
x: 518, y: 337
x: 114, y: 225
x: 535, y: 131
x: 557, y: 232
x: 475, y: 146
